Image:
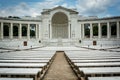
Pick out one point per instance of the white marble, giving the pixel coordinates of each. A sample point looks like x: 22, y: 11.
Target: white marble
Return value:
x: 16, y: 78
x: 97, y: 61
x: 101, y: 70
x: 22, y: 64
x: 98, y: 64
x: 20, y: 71
x: 104, y: 78
x: 24, y: 61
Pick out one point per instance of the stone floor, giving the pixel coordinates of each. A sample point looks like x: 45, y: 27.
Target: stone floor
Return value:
x: 60, y: 69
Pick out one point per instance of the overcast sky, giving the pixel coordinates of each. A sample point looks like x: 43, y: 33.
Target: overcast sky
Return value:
x: 100, y: 8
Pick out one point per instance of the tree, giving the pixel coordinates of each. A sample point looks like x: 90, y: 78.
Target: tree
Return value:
x: 95, y: 30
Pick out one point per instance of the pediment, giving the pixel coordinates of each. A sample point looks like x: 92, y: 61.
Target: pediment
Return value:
x: 47, y: 11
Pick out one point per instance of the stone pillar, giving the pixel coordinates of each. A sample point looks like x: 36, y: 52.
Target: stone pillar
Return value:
x: 36, y: 32
x: 118, y: 29
x: 1, y: 30
x: 69, y: 31
x: 11, y: 31
x: 20, y: 31
x: 83, y: 30
x: 108, y: 30
x: 99, y: 31
x: 40, y: 31
x: 91, y: 31
x: 28, y: 31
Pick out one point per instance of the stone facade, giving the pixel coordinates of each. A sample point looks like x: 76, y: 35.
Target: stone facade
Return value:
x: 61, y: 26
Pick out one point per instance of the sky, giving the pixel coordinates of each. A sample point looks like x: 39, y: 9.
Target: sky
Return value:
x: 100, y: 8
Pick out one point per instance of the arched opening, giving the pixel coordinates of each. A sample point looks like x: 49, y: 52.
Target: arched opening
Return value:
x: 32, y: 30
x: 24, y: 30
x: 113, y: 30
x: 15, y: 31
x: 87, y: 30
x: 104, y: 30
x: 6, y: 30
x: 60, y: 26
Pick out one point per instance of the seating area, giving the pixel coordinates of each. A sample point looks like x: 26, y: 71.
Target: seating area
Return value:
x: 95, y: 64
x: 25, y: 65
x: 34, y: 64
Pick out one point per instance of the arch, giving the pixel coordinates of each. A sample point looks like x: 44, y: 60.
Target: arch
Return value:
x: 32, y: 30
x: 60, y: 25
x: 15, y: 31
x: 6, y: 29
x: 24, y: 30
x: 87, y: 30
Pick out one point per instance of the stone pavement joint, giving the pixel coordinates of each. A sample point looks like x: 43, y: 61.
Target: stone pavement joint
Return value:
x: 60, y: 69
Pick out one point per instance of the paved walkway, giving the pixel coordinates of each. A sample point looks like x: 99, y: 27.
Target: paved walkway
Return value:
x: 60, y: 69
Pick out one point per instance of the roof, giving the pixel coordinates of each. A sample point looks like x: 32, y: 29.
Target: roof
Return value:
x: 47, y: 11
x: 20, y: 19
x: 97, y: 19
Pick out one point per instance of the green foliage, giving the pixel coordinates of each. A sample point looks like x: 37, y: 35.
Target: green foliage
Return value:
x: 95, y: 30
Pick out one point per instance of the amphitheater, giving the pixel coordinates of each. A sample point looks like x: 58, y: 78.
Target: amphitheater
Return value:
x: 65, y: 46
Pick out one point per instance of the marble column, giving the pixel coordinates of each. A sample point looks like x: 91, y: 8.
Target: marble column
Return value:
x: 36, y: 32
x: 83, y: 30
x: 20, y: 31
x: 118, y: 29
x: 28, y: 31
x: 11, y: 31
x: 99, y: 31
x: 108, y: 30
x: 1, y: 30
x: 91, y: 31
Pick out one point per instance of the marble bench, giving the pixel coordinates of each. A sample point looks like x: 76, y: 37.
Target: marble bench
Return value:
x: 105, y: 64
x: 16, y: 78
x: 22, y: 65
x: 101, y: 71
x: 103, y: 78
x: 21, y: 72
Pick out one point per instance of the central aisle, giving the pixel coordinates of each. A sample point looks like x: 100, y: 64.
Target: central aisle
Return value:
x: 60, y: 69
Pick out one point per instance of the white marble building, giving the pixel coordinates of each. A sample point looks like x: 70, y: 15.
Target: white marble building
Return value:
x: 59, y: 26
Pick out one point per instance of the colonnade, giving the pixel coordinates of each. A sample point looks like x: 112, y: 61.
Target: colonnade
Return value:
x: 99, y: 25
x: 20, y: 25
